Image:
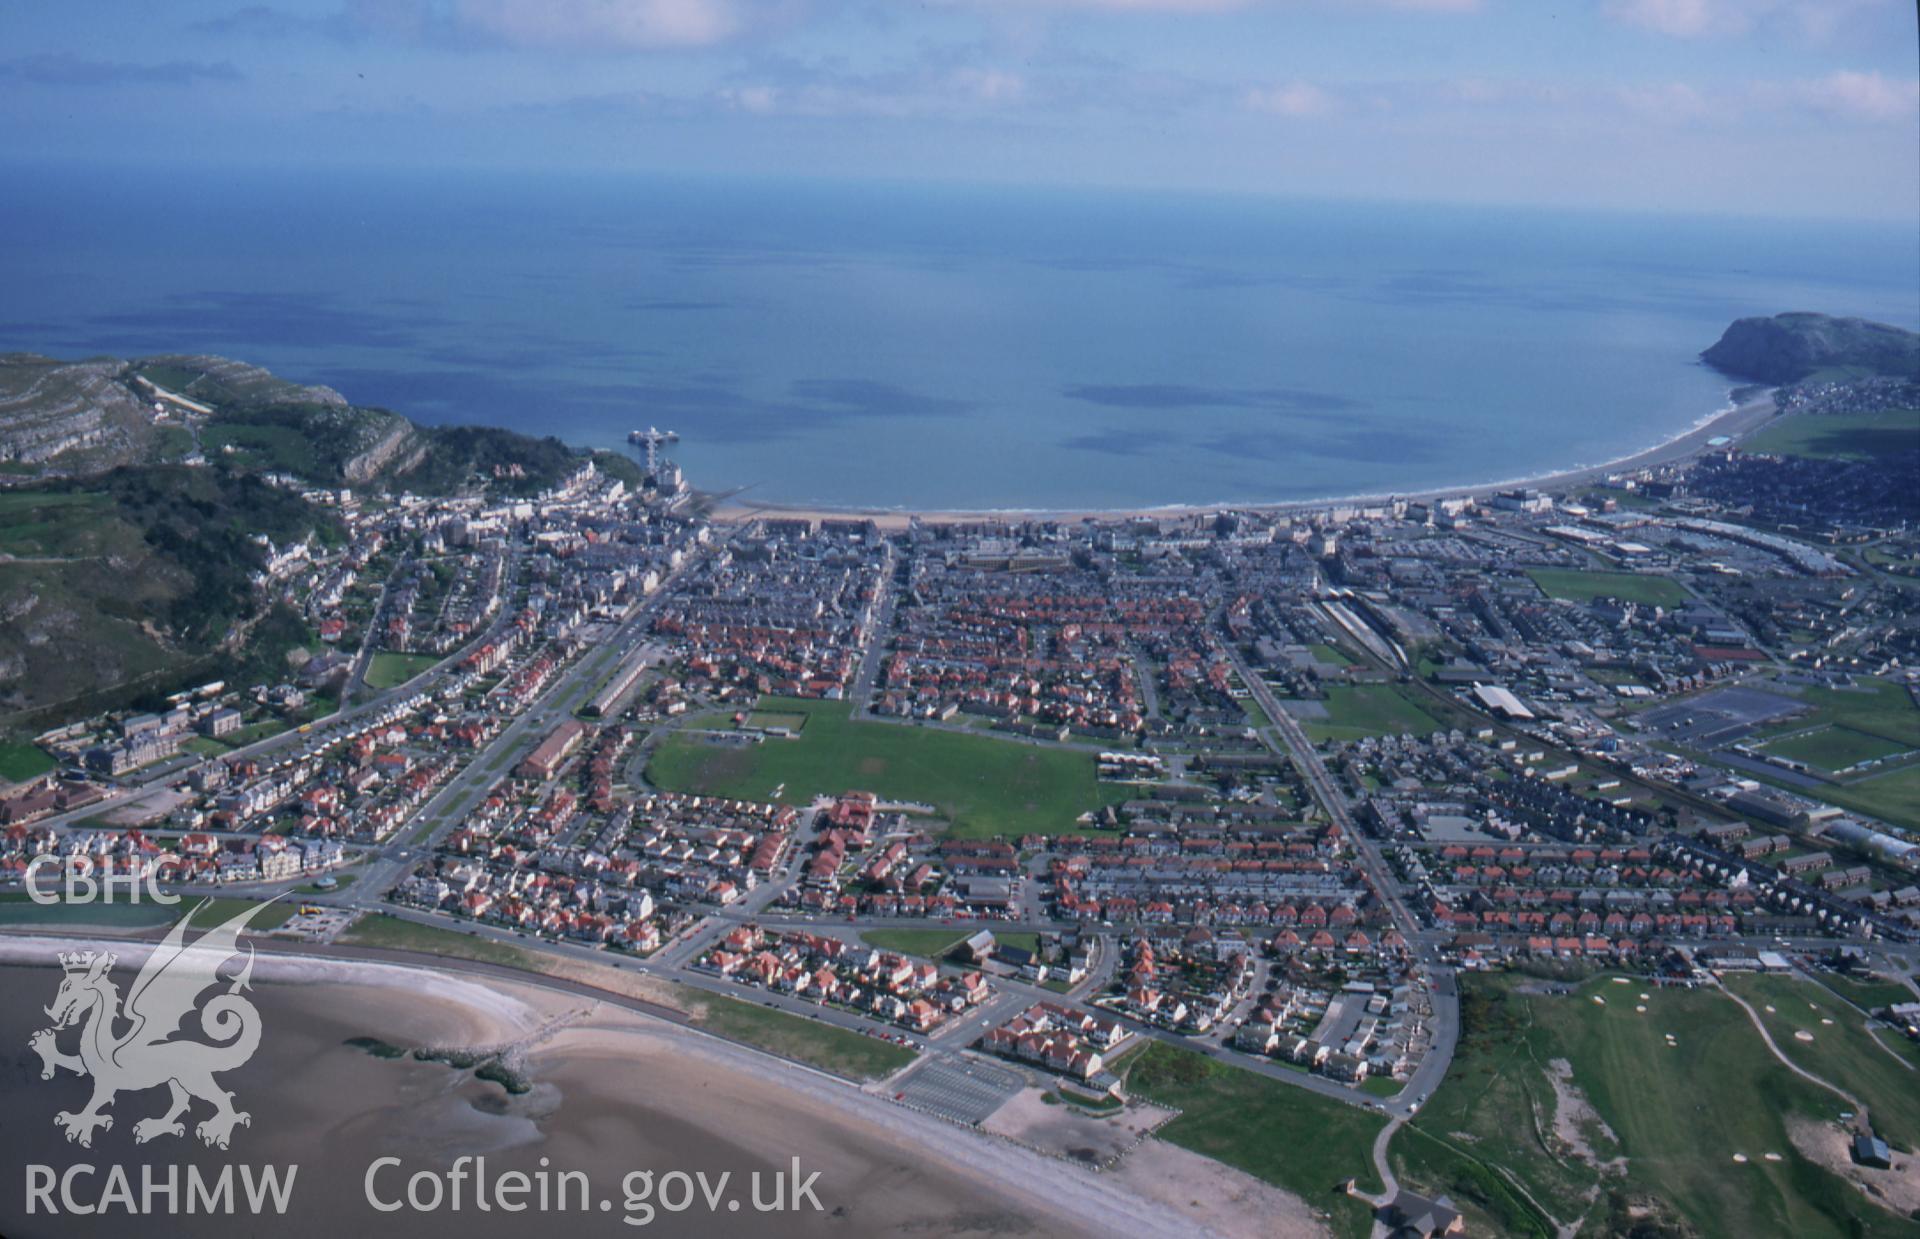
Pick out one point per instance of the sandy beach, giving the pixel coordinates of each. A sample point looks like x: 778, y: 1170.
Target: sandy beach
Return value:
x: 1736, y: 421
x: 612, y: 1091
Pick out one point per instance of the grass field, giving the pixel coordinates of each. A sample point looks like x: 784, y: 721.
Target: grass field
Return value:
x: 1892, y: 795
x: 20, y: 762
x: 392, y: 932
x: 792, y: 720
x: 1677, y: 1115
x: 1839, y: 436
x: 1872, y: 717
x: 985, y: 786
x: 1325, y: 653
x: 1355, y: 711
x: 389, y: 669
x: 1877, y: 707
x: 935, y: 943
x: 1841, y: 1052
x: 928, y: 943
x: 1868, y: 991
x: 820, y: 1045
x: 208, y: 912
x: 17, y: 909
x: 1656, y: 591
x: 1292, y: 1138
x: 1834, y: 748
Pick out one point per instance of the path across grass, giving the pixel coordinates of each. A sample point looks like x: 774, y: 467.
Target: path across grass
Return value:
x: 1676, y: 1114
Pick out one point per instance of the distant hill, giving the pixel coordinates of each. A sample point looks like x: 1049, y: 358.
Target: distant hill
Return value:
x: 130, y: 496
x: 76, y: 419
x: 1788, y: 348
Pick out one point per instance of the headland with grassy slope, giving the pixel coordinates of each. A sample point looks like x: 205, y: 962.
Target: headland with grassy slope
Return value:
x: 982, y: 784
x: 124, y: 569
x: 1789, y: 348
x: 135, y: 582
x: 1608, y: 1112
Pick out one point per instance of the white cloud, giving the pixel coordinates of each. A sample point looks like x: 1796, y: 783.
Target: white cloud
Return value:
x: 1223, y: 6
x: 1289, y: 99
x: 1690, y: 19
x: 1867, y: 96
x: 1684, y: 18
x: 992, y: 85
x: 604, y: 23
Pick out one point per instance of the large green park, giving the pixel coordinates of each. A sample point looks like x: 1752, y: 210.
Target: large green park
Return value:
x: 983, y: 784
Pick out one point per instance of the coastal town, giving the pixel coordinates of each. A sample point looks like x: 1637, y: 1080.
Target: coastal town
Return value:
x: 1022, y: 798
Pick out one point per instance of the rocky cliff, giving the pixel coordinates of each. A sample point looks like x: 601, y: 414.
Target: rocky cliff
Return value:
x: 1789, y: 347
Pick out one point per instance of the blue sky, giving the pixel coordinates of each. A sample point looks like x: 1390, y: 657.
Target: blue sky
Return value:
x: 1781, y: 107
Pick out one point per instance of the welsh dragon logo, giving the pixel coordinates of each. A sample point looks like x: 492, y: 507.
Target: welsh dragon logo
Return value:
x: 134, y: 1047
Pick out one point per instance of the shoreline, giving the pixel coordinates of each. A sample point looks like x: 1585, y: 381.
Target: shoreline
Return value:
x: 609, y: 1060
x: 1735, y: 421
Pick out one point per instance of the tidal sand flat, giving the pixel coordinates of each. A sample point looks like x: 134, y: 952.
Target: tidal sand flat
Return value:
x: 606, y: 1093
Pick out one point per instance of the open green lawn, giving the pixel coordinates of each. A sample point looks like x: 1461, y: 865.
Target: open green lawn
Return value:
x: 1834, y: 748
x: 1677, y: 1115
x: 935, y: 943
x: 1870, y: 718
x: 388, y: 669
x: 1892, y: 795
x: 1325, y: 653
x: 1842, y: 1052
x: 20, y: 762
x: 221, y: 908
x: 400, y: 935
x: 1578, y: 586
x: 928, y: 943
x: 1355, y: 711
x: 1838, y: 436
x: 792, y: 720
x: 1292, y: 1138
x: 1876, y: 707
x: 17, y: 909
x: 1868, y: 991
x: 984, y: 785
x: 818, y: 1044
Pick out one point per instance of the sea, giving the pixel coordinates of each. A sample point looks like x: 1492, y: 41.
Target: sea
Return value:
x: 926, y: 346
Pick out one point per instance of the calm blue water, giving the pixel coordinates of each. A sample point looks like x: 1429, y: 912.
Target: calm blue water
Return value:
x: 929, y: 347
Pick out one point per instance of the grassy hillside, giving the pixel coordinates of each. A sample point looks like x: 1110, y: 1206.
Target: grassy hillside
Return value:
x: 81, y: 418
x: 120, y: 586
x: 1578, y: 1107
